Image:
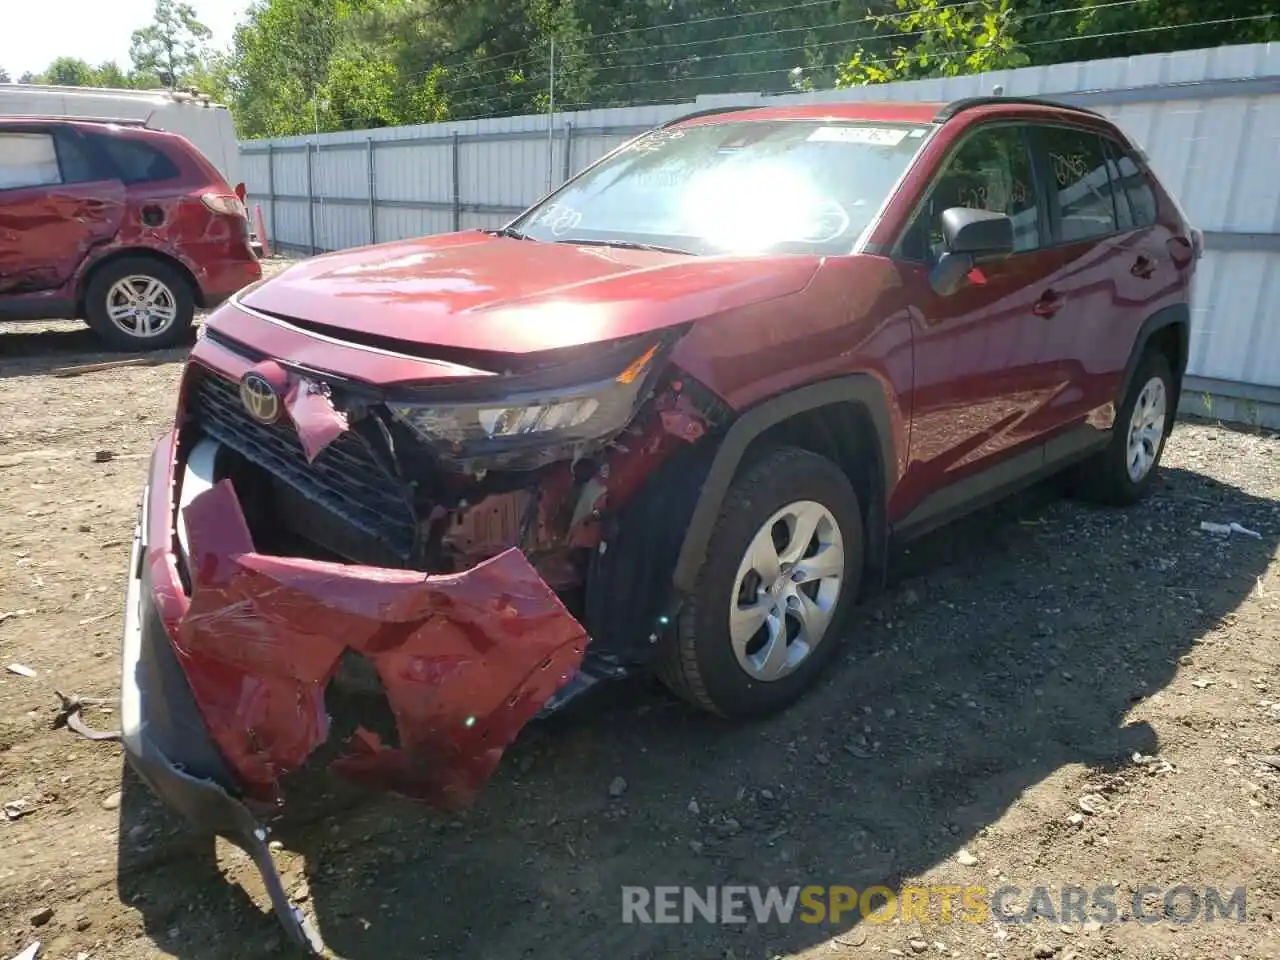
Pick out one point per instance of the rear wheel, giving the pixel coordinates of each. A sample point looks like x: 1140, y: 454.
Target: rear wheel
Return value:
x: 1123, y: 472
x: 781, y: 570
x: 137, y: 303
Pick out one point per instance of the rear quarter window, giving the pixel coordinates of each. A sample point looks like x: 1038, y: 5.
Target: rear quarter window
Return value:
x: 27, y: 160
x: 138, y: 162
x: 1137, y: 191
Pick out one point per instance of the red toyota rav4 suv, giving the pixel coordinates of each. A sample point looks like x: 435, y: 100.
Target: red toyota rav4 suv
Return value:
x: 670, y: 418
x: 127, y: 228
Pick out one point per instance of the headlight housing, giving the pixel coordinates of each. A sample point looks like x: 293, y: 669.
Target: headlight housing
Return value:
x: 533, y: 422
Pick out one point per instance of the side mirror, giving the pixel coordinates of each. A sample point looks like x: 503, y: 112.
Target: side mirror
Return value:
x: 979, y: 232
x: 971, y: 236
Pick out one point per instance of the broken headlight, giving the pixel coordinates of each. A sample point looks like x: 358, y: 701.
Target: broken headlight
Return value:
x: 531, y: 422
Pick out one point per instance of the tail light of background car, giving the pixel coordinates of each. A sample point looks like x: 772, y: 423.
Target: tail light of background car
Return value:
x: 226, y: 203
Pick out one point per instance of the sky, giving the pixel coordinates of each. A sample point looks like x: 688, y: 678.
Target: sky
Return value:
x: 36, y: 31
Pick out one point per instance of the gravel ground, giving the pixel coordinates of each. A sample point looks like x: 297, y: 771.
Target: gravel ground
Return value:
x: 1047, y: 695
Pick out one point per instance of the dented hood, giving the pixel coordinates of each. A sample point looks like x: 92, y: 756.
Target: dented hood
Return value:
x: 484, y: 292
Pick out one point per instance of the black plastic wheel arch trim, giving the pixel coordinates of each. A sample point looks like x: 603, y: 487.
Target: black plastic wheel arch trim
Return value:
x: 1178, y: 315
x: 862, y: 389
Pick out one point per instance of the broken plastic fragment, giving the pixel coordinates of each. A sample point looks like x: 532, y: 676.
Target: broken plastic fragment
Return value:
x: 465, y: 660
x: 314, y: 416
x: 1226, y: 529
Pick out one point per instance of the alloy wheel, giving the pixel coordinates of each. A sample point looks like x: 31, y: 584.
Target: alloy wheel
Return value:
x: 141, y: 306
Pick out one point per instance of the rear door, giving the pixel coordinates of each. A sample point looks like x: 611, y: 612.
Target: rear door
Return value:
x: 1113, y: 271
x: 57, y: 202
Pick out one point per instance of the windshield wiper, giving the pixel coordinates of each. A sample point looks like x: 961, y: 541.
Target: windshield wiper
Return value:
x: 508, y: 232
x: 628, y: 245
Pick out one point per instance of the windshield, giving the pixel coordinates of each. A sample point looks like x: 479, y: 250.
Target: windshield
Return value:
x: 789, y: 186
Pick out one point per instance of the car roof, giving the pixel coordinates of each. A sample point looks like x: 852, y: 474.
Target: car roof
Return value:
x: 93, y: 122
x: 881, y: 110
x: 887, y: 111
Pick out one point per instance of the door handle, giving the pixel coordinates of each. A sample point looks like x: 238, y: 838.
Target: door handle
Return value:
x: 1143, y: 267
x: 1049, y: 304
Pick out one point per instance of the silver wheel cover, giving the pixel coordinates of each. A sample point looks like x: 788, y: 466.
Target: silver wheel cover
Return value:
x: 786, y: 590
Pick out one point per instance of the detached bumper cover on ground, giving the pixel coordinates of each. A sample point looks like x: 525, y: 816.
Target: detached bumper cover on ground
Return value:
x: 224, y: 690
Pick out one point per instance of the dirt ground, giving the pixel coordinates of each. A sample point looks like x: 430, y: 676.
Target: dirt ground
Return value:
x: 1014, y: 668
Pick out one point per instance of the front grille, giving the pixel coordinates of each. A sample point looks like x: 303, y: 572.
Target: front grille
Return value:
x: 346, y: 479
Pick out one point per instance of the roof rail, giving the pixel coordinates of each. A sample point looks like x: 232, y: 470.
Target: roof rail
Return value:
x: 968, y: 103
x: 709, y: 112
x: 63, y: 118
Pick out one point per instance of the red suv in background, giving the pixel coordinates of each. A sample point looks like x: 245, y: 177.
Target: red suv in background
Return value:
x: 671, y: 418
x: 126, y: 228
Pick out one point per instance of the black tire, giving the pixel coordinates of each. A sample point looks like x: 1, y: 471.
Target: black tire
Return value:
x: 1105, y: 477
x: 115, y: 337
x: 697, y: 660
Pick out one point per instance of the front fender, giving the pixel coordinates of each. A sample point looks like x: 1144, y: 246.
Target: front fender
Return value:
x: 863, y: 389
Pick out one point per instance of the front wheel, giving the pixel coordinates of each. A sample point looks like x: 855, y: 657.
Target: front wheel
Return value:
x: 137, y: 303
x: 781, y: 571
x: 1123, y: 471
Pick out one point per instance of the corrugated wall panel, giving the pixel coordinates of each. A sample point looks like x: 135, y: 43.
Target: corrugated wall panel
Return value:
x: 1235, y: 291
x: 1218, y: 155
x: 339, y: 226
x: 341, y: 173
x: 414, y: 172
x: 291, y: 173
x: 291, y: 223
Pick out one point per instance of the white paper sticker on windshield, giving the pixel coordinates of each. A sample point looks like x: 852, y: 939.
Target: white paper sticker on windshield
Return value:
x: 878, y: 136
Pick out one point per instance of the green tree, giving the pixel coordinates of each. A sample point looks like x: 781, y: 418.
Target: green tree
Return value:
x: 942, y: 40
x: 4, y: 76
x: 359, y: 63
x: 281, y: 61
x: 1108, y: 29
x: 171, y: 46
x: 68, y: 72
x: 109, y: 74
x: 213, y: 76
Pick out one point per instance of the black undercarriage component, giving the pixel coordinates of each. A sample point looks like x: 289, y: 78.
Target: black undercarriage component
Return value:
x: 629, y: 591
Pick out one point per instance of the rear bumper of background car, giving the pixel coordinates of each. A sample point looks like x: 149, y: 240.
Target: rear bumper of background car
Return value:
x: 224, y: 681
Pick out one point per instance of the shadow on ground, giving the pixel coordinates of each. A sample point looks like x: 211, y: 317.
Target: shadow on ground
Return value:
x: 33, y: 351
x: 1006, y: 647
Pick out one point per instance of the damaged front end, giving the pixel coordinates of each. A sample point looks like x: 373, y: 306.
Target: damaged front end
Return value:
x: 439, y: 550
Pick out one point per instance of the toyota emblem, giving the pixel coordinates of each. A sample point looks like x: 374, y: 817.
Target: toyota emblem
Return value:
x: 260, y: 398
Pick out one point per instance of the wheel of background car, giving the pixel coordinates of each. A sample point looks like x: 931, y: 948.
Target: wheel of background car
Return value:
x: 1124, y: 470
x: 139, y: 303
x: 781, y: 571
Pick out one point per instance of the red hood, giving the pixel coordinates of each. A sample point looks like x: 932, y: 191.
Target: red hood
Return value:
x: 481, y: 292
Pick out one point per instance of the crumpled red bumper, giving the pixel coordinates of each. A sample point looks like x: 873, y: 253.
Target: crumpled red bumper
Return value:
x: 465, y: 660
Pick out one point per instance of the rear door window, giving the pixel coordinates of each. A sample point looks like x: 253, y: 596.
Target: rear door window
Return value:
x: 1079, y: 183
x: 27, y: 160
x: 78, y: 161
x: 136, y: 161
